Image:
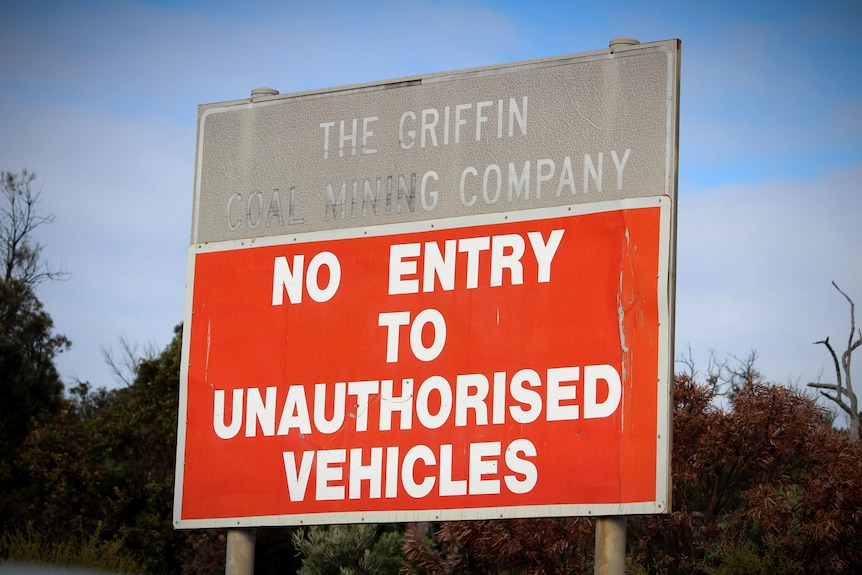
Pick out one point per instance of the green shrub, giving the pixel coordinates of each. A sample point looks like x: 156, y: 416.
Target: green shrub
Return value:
x: 348, y: 550
x: 87, y: 551
x: 743, y: 559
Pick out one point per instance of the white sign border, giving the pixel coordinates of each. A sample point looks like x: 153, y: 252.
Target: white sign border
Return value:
x: 665, y: 288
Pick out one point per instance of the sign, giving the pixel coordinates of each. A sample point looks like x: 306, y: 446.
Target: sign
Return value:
x: 445, y: 297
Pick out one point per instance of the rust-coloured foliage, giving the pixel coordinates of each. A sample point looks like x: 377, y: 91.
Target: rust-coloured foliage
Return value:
x: 539, y: 546
x: 764, y: 484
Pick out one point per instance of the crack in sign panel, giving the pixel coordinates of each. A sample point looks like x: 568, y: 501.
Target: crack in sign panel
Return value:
x: 209, y: 342
x: 624, y: 300
x: 584, y: 117
x: 621, y: 312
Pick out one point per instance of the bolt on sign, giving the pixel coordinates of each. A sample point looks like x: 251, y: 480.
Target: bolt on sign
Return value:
x: 441, y: 297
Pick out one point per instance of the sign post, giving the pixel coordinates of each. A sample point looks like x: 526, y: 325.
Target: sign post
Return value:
x: 437, y: 298
x: 239, y: 558
x: 610, y: 546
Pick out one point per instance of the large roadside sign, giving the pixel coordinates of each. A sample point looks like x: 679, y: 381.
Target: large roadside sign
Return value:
x: 441, y: 297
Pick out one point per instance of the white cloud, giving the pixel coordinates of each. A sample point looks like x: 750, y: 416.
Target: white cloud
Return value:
x: 102, y: 104
x: 100, y: 100
x: 120, y: 190
x: 755, y: 266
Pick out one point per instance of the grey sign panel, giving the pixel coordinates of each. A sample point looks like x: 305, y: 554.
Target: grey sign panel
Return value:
x: 569, y: 130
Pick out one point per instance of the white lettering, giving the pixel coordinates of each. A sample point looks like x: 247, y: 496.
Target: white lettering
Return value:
x: 448, y: 486
x: 521, y: 466
x: 471, y: 171
x: 592, y: 407
x: 440, y: 265
x: 557, y: 393
x: 366, y: 135
x: 620, y: 166
x: 472, y: 247
x: 323, y: 424
x: 399, y: 267
x: 423, y: 405
x: 545, y: 252
x: 500, y: 260
x: 297, y: 479
x: 423, y: 318
x: 410, y: 139
x: 408, y: 472
x: 259, y: 411
x: 326, y: 126
x: 392, y: 321
x: 426, y: 204
x: 481, y: 465
x: 286, y: 279
x: 230, y: 430
x: 329, y: 470
x: 372, y: 473
x: 466, y: 401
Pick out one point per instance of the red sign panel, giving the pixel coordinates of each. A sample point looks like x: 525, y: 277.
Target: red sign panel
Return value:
x: 468, y: 368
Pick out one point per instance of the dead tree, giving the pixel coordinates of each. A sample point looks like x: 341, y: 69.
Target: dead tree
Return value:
x: 20, y: 253
x: 841, y: 392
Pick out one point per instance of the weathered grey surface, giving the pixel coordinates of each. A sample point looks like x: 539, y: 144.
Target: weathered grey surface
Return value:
x: 598, y: 126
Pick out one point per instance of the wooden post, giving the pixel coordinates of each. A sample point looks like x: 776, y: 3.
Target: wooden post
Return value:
x: 240, y: 552
x: 610, y: 545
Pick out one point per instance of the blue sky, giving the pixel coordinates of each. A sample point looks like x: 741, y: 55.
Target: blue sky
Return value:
x: 100, y: 100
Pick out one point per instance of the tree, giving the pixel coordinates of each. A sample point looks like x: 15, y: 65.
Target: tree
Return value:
x: 841, y: 391
x: 29, y: 383
x: 105, y: 464
x: 766, y: 486
x: 769, y: 479
x: 550, y: 546
x: 725, y: 377
x: 20, y: 253
x: 361, y: 549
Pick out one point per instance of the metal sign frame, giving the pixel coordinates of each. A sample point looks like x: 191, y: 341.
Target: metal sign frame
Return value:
x: 262, y: 182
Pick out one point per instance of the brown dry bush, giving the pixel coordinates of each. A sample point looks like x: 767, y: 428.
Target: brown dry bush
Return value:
x: 764, y: 484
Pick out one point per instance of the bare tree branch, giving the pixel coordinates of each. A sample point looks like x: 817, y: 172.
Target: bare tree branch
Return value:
x: 831, y: 386
x: 844, y: 395
x: 20, y: 254
x: 688, y: 361
x: 124, y: 364
x: 834, y: 358
x: 838, y: 401
x: 850, y: 344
